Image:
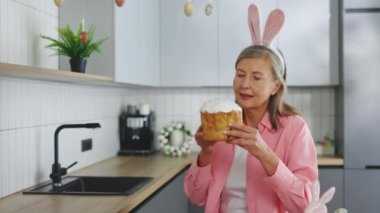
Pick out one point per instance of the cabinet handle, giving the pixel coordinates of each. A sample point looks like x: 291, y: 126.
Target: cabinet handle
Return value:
x: 363, y: 10
x: 372, y: 166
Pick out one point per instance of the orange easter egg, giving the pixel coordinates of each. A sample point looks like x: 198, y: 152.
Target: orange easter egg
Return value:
x: 119, y: 2
x: 83, y: 37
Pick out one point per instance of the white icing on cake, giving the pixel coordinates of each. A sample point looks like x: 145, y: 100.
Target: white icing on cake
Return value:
x: 220, y: 105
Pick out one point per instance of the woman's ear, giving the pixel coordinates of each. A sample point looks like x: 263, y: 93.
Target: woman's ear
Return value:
x: 277, y: 86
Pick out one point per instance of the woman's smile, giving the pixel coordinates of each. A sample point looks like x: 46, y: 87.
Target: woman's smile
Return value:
x: 245, y: 96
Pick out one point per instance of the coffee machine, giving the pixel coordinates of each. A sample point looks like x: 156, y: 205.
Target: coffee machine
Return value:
x: 136, y: 130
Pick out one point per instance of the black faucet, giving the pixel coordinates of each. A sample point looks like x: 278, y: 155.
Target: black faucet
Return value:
x: 57, y: 171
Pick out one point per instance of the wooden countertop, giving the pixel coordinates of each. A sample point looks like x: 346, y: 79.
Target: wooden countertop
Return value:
x: 330, y: 161
x: 161, y: 168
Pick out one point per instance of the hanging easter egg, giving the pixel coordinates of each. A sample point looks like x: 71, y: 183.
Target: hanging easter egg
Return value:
x: 83, y: 37
x: 209, y: 8
x: 119, y: 2
x: 188, y: 9
x: 58, y: 2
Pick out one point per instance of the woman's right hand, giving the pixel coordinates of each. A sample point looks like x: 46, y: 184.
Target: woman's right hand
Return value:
x: 205, y: 155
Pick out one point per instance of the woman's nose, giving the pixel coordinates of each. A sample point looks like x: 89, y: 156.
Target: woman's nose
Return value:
x: 245, y: 82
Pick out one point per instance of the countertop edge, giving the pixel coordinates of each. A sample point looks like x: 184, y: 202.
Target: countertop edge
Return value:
x: 330, y: 161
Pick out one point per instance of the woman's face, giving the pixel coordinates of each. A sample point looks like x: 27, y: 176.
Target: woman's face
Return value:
x: 254, y: 83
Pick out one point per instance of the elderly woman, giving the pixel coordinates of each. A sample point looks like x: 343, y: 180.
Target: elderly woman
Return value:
x: 272, y: 163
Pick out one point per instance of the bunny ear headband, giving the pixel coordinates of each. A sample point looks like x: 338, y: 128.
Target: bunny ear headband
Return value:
x: 273, y: 26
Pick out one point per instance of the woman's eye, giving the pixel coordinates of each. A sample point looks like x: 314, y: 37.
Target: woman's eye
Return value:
x: 256, y: 78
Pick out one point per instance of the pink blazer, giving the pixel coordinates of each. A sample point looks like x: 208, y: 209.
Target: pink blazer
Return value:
x: 288, y: 190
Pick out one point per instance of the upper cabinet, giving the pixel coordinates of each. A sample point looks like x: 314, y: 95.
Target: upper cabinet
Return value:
x: 309, y: 42
x: 308, y: 39
x: 131, y: 53
x: 189, y: 45
x: 154, y: 43
x: 201, y: 50
x: 137, y: 42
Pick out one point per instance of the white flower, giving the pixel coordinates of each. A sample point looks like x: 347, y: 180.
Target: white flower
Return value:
x: 179, y: 125
x: 161, y: 137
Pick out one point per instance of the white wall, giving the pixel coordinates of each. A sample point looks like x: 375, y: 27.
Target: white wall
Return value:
x: 31, y: 110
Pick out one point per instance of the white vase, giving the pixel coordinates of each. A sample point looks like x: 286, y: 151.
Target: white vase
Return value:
x: 176, y: 138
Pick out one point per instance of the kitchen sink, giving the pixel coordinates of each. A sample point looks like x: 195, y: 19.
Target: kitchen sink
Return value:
x: 94, y: 185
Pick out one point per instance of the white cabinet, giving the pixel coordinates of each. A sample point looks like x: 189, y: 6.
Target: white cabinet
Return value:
x: 189, y: 45
x: 308, y: 41
x: 234, y: 35
x: 309, y: 47
x: 154, y: 43
x: 131, y: 53
x: 137, y: 42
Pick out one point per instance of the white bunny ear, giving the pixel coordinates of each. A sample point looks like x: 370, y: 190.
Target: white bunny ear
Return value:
x: 327, y: 196
x: 273, y: 25
x: 254, y: 23
x: 316, y: 190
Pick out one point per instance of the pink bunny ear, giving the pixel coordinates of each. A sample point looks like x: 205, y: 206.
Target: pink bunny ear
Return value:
x: 273, y: 25
x: 254, y: 23
x: 327, y: 196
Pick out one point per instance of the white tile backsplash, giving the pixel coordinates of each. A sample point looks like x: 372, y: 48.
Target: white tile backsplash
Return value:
x: 184, y: 104
x: 32, y: 110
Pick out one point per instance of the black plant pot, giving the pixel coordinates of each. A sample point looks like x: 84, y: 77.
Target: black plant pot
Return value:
x: 78, y: 64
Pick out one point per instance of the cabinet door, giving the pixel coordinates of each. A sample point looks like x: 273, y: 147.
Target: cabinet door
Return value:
x: 362, y: 190
x: 188, y: 45
x: 170, y: 198
x: 137, y: 42
x: 329, y: 177
x: 361, y: 91
x: 234, y: 35
x: 305, y: 43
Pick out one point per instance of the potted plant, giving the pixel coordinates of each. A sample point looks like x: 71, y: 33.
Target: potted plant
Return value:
x: 77, y: 46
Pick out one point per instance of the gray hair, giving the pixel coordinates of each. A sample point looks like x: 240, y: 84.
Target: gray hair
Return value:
x: 277, y: 106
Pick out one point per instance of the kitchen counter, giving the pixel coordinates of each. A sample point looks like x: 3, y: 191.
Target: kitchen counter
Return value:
x: 330, y: 161
x: 161, y: 168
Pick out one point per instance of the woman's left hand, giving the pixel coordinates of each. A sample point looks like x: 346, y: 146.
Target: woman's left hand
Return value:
x: 249, y: 138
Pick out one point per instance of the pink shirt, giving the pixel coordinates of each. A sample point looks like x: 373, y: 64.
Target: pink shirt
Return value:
x: 287, y: 190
